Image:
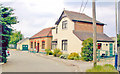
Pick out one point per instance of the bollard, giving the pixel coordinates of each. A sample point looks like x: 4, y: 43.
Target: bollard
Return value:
x: 116, y: 60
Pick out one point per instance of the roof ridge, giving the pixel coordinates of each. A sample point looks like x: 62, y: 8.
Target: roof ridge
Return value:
x: 45, y: 32
x: 74, y: 12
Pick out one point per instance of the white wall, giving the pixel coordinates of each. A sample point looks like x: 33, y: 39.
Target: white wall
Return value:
x: 74, y: 44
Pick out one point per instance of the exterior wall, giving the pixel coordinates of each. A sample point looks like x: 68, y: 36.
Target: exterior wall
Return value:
x: 80, y: 26
x: 18, y: 46
x: 26, y: 42
x: 73, y: 43
x: 106, y: 48
x: 39, y: 40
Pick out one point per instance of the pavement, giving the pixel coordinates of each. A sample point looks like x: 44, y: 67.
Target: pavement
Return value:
x: 24, y: 61
x: 82, y: 66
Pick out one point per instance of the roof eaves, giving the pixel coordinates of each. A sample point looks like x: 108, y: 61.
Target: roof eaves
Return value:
x: 87, y: 22
x: 40, y: 37
x: 105, y: 41
x: 102, y: 40
x: 62, y: 17
x: 57, y: 22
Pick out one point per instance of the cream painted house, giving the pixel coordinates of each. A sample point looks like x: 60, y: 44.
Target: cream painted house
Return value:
x: 72, y: 28
x: 23, y: 44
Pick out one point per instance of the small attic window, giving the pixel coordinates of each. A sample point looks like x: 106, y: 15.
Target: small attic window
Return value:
x: 56, y: 29
x: 64, y: 24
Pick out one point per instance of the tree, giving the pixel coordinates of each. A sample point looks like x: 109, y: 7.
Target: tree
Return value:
x: 6, y: 20
x: 15, y: 37
x: 118, y: 40
x: 87, y: 49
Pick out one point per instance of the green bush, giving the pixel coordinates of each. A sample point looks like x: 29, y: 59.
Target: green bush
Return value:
x: 87, y: 50
x: 58, y: 54
x: 74, y: 56
x: 105, y: 68
x: 64, y: 56
x: 48, y: 52
x: 56, y: 51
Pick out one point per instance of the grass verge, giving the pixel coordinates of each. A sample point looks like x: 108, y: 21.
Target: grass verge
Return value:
x: 105, y: 68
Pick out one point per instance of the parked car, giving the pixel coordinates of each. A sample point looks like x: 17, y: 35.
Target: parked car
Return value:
x: 7, y: 53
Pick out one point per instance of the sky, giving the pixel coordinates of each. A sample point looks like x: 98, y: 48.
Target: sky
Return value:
x: 35, y: 15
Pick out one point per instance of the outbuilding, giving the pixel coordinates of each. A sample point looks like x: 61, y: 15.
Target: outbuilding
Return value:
x: 23, y: 44
x: 41, y: 40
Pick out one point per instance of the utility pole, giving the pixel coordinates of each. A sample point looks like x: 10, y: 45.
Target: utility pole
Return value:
x: 118, y: 33
x: 94, y: 33
x: 116, y: 56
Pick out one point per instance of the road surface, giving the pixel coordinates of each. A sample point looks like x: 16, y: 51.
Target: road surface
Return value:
x: 24, y: 61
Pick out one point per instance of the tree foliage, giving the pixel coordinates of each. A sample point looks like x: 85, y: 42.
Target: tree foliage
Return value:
x: 118, y: 40
x: 6, y: 20
x: 15, y: 37
x: 87, y: 49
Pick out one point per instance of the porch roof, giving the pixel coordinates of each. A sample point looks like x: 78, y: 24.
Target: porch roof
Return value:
x: 101, y: 37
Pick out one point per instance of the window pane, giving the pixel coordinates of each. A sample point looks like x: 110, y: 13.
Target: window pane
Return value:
x: 64, y: 45
x: 31, y: 44
x: 64, y: 24
x: 35, y: 45
x: 43, y: 44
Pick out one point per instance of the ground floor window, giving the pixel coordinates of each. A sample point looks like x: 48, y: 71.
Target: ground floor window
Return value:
x: 31, y: 44
x: 99, y: 45
x: 54, y: 44
x: 35, y: 46
x: 64, y: 45
x: 43, y: 44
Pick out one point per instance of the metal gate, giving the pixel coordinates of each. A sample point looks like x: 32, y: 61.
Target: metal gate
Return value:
x: 111, y: 49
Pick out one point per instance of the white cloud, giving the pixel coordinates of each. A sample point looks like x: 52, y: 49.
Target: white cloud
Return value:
x: 34, y: 15
x: 6, y: 0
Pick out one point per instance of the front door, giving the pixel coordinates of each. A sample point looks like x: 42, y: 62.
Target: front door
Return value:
x: 111, y: 49
x: 37, y: 47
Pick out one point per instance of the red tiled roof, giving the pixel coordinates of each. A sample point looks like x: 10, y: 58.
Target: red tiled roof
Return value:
x: 43, y: 33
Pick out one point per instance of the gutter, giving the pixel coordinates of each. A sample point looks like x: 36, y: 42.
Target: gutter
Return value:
x: 40, y: 37
x: 88, y: 22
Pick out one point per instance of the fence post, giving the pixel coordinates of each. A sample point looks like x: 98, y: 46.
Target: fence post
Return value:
x: 118, y: 57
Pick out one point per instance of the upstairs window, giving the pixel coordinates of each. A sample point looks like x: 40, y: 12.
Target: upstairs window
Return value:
x: 64, y: 24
